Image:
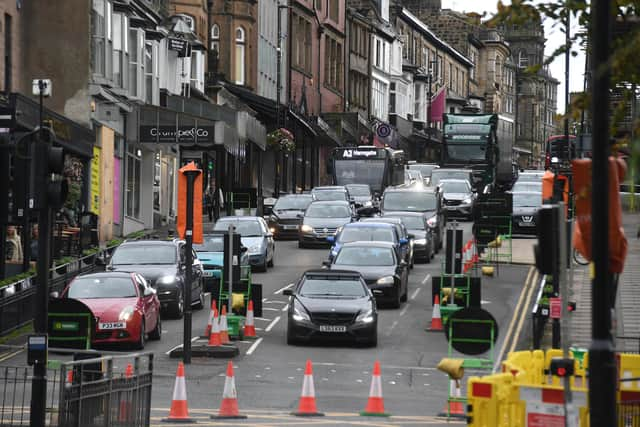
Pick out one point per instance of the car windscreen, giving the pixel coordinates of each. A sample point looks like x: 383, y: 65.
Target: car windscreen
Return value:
x: 454, y: 187
x: 102, y: 287
x: 466, y: 152
x: 210, y: 244
x: 354, y: 234
x: 438, y: 175
x: 330, y: 195
x: 327, y: 211
x: 329, y: 287
x: 144, y: 254
x: 296, y: 203
x: 417, y: 201
x: 359, y: 190
x: 412, y: 222
x: 527, y: 200
x: 244, y: 228
x: 365, y: 256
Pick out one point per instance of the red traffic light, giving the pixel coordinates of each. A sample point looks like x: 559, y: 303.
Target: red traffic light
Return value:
x: 561, y: 372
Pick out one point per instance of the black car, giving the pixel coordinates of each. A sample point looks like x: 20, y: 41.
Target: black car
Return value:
x: 321, y: 220
x: 163, y: 265
x: 424, y: 247
x: 425, y: 200
x: 285, y: 220
x: 525, y: 208
x: 378, y: 263
x: 332, y: 304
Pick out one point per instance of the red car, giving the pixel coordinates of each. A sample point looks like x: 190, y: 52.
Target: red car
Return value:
x: 126, y: 308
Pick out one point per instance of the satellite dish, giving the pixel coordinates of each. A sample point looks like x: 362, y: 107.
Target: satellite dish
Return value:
x: 472, y: 330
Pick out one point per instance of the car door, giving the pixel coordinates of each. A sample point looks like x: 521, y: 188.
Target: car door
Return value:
x: 268, y: 236
x: 146, y: 302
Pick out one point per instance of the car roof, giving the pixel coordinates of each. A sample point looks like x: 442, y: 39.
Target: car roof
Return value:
x: 368, y: 224
x: 453, y: 180
x: 409, y: 189
x: 391, y: 215
x: 305, y: 195
x: 239, y: 218
x: 382, y: 219
x: 109, y: 274
x: 330, y: 202
x: 149, y: 242
x: 370, y: 243
x: 357, y: 185
x: 527, y: 192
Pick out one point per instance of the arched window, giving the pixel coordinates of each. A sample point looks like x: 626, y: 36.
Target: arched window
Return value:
x: 523, y: 59
x: 215, y: 38
x: 240, y: 55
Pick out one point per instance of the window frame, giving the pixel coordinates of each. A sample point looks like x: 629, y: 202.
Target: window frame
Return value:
x: 240, y: 41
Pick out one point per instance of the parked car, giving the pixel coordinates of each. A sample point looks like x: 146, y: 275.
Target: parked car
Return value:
x: 378, y: 263
x: 211, y: 255
x: 373, y: 232
x: 406, y: 249
x: 445, y: 173
x: 126, y: 308
x: 331, y: 192
x: 360, y: 195
x: 425, y: 170
x: 332, y: 304
x: 163, y: 264
x: 255, y: 236
x: 424, y: 247
x: 322, y: 219
x: 284, y: 220
x: 525, y: 208
x: 426, y: 200
x: 458, y: 197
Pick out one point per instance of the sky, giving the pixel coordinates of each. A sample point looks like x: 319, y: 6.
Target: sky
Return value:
x: 555, y: 38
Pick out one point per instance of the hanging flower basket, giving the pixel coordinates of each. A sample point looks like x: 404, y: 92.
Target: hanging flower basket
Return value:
x: 281, y: 140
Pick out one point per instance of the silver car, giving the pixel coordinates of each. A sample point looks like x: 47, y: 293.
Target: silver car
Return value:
x: 255, y: 236
x: 321, y: 220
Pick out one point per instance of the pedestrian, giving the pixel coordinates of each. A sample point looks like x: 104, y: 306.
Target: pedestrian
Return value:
x: 208, y: 201
x: 14, y: 245
x: 218, y: 202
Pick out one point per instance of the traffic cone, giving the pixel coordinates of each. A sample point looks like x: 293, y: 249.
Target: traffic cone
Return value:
x: 179, y: 413
x: 249, y: 327
x: 128, y: 372
x: 207, y: 331
x: 214, y: 336
x: 125, y: 402
x: 436, y: 320
x: 229, y: 406
x: 375, y: 405
x: 307, y: 406
x: 224, y: 327
x: 454, y: 408
x: 69, y: 378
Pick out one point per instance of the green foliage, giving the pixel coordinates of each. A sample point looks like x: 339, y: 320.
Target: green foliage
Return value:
x: 281, y: 140
x: 63, y: 260
x: 75, y: 192
x: 18, y: 277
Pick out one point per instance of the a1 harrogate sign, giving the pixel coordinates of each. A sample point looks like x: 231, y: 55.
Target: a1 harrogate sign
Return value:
x: 180, y: 134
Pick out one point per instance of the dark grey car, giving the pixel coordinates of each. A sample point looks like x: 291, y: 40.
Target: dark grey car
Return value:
x: 525, y: 209
x: 424, y: 247
x: 284, y: 220
x: 322, y: 219
x: 458, y: 197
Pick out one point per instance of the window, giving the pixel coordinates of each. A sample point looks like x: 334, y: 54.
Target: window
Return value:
x: 440, y: 69
x: 120, y: 49
x: 425, y: 57
x: 215, y: 38
x: 334, y: 10
x: 136, y: 63
x: 134, y: 162
x: 189, y: 21
x: 378, y: 53
x: 472, y: 57
x: 151, y: 72
x: 450, y: 84
x: 523, y: 60
x: 358, y: 90
x: 197, y: 70
x: 98, y: 54
x: 240, y: 50
x: 419, y: 102
x: 318, y: 4
x: 379, y: 100
x: 333, y: 63
x: 301, y: 44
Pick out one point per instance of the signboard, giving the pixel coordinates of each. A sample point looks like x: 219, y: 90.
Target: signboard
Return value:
x: 180, y: 134
x: 555, y: 305
x: 545, y: 407
x: 179, y: 45
x: 359, y: 153
x: 94, y: 202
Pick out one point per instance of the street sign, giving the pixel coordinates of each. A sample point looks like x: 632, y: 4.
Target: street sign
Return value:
x: 555, y: 305
x: 383, y: 130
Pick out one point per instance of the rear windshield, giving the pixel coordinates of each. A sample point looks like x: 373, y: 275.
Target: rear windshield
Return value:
x: 409, y: 201
x: 327, y: 211
x: 354, y: 234
x: 297, y: 203
x: 365, y: 256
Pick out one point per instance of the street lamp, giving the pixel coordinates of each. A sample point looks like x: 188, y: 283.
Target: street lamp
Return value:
x: 278, y: 89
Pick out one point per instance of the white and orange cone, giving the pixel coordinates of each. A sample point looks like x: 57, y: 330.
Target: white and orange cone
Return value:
x: 454, y: 407
x: 214, y: 337
x: 125, y: 404
x: 436, y: 319
x: 207, y: 331
x: 229, y: 406
x: 179, y: 412
x: 249, y: 326
x: 224, y: 327
x: 307, y: 406
x: 375, y: 404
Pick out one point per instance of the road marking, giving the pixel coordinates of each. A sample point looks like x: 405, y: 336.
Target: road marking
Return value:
x: 254, y: 346
x: 10, y: 355
x: 415, y: 294
x: 285, y: 308
x: 282, y: 289
x: 426, y: 280
x: 270, y: 309
x: 532, y: 290
x: 264, y: 300
x: 272, y: 324
x: 393, y: 325
x: 404, y: 310
x: 263, y: 319
x: 178, y: 346
x: 482, y: 302
x: 512, y: 323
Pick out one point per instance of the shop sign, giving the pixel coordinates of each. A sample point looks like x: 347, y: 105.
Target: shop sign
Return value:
x: 179, y: 45
x: 94, y: 205
x: 180, y: 134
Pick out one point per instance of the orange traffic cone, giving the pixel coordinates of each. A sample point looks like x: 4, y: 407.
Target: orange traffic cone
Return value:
x: 128, y: 372
x: 179, y: 413
x: 229, y: 406
x: 69, y: 378
x: 224, y: 327
x: 125, y: 402
x: 249, y: 327
x: 436, y: 320
x: 307, y: 406
x: 375, y: 405
x: 454, y: 406
x: 207, y: 331
x: 214, y: 336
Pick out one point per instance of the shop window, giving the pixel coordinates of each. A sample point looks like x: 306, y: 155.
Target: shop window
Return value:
x: 133, y: 190
x: 240, y: 56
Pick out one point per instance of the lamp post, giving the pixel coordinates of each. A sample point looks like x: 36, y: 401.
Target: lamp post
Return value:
x: 278, y: 89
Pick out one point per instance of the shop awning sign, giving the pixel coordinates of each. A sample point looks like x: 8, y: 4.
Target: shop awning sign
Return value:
x: 179, y: 45
x: 179, y: 135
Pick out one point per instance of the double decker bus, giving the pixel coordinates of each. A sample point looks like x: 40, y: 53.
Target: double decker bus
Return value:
x: 379, y: 167
x: 470, y: 141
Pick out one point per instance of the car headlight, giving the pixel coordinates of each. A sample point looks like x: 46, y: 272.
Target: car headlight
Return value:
x: 299, y: 313
x: 387, y: 280
x: 126, y: 314
x: 467, y: 200
x: 420, y: 241
x: 433, y: 221
x: 365, y: 317
x: 306, y: 228
x: 255, y: 249
x: 167, y: 280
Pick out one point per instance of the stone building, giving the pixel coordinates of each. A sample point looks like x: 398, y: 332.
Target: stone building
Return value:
x: 11, y: 45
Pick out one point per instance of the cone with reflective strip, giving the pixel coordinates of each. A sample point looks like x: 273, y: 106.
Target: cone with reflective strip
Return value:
x: 375, y: 405
x: 224, y: 326
x: 436, y: 319
x: 307, y: 406
x: 179, y: 413
x: 454, y: 408
x: 125, y: 402
x: 229, y: 406
x: 214, y: 337
x: 249, y: 327
x: 207, y: 331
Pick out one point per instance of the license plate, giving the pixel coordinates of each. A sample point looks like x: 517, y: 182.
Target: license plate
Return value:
x: 526, y: 224
x: 112, y: 325
x: 208, y: 273
x: 333, y: 328
x: 289, y: 227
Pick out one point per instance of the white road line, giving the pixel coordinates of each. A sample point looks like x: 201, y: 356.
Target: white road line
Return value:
x: 285, y: 308
x: 270, y: 309
x: 264, y: 319
x: 393, y: 325
x: 254, y: 346
x: 272, y: 324
x: 426, y: 280
x: 282, y: 289
x: 404, y: 310
x: 264, y: 300
x: 415, y: 294
x: 395, y: 367
x: 180, y: 345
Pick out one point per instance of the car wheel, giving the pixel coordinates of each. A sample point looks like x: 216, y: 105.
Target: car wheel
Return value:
x: 200, y: 304
x: 140, y: 342
x: 263, y: 267
x: 177, y: 308
x: 157, y: 331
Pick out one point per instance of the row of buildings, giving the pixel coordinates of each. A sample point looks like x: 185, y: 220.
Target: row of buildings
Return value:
x: 140, y: 87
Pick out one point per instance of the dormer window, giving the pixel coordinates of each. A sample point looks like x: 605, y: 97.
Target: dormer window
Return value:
x: 189, y: 21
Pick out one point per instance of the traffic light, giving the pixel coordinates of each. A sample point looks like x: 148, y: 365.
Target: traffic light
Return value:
x: 562, y: 367
x: 548, y: 239
x: 49, y: 188
x: 210, y: 165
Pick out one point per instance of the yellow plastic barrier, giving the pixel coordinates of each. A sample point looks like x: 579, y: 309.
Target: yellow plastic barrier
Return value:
x: 491, y: 401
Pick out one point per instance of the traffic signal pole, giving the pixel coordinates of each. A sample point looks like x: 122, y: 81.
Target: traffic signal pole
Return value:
x: 602, y: 377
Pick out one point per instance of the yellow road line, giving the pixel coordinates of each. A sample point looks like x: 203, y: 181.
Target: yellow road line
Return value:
x: 532, y: 288
x: 10, y: 355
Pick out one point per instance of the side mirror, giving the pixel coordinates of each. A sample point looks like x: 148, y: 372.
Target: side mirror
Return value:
x: 54, y: 294
x: 326, y: 263
x: 243, y: 249
x: 331, y: 239
x: 404, y: 241
x: 102, y: 260
x: 287, y: 292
